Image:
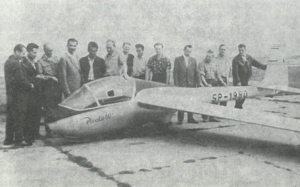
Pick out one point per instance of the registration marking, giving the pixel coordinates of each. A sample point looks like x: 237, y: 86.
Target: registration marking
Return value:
x: 232, y: 96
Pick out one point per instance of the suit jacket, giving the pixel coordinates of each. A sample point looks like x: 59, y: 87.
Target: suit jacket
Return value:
x: 33, y: 96
x: 99, y: 68
x: 130, y: 64
x: 16, y: 83
x: 185, y: 76
x: 69, y: 74
x: 242, y: 70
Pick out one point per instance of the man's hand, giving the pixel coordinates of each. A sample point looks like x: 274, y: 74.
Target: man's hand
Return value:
x: 201, y: 85
x: 32, y: 86
x: 126, y: 76
x: 208, y: 85
x: 67, y: 95
x: 40, y: 76
x: 54, y: 78
x: 239, y: 84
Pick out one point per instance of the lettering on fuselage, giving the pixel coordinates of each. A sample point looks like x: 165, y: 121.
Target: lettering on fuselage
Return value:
x: 231, y: 96
x: 98, y: 119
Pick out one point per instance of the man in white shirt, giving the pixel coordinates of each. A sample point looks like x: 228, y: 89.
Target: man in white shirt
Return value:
x: 140, y: 63
x: 92, y: 66
x: 223, y: 68
x: 114, y: 62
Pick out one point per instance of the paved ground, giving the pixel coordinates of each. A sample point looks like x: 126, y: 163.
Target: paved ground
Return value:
x: 208, y: 154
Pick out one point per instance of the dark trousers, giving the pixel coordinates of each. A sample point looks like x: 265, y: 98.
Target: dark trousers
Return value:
x: 19, y: 126
x: 9, y: 128
x: 20, y: 107
x: 32, y: 123
x: 214, y: 83
x: 51, y: 97
x: 223, y: 103
x: 239, y: 103
x: 162, y: 78
x: 180, y: 116
x: 142, y: 76
x: 33, y: 116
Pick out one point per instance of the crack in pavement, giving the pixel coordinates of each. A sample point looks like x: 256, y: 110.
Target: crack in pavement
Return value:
x: 270, y: 163
x: 140, y: 170
x: 83, y: 162
x: 279, y: 167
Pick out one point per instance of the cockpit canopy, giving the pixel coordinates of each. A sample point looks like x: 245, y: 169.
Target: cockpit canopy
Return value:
x: 101, y: 92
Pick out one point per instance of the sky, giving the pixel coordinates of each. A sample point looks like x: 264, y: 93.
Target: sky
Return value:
x: 205, y: 24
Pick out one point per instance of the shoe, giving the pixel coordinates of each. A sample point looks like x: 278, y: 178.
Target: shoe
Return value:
x: 17, y: 145
x: 26, y: 143
x: 38, y: 137
x: 179, y: 123
x: 49, y: 135
x: 213, y: 120
x: 7, y: 144
x: 193, y: 121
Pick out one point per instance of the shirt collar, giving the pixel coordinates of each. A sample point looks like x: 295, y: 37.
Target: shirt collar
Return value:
x: 91, y: 59
x: 207, y: 61
x: 70, y: 55
x: 45, y: 57
x: 31, y: 61
x: 162, y: 56
x: 113, y: 54
x: 221, y: 57
x: 245, y: 56
x: 16, y: 58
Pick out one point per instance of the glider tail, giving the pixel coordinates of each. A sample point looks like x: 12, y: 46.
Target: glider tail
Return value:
x: 277, y: 70
x: 277, y: 73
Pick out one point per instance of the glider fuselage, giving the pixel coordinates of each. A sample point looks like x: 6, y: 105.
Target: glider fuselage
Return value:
x: 128, y: 113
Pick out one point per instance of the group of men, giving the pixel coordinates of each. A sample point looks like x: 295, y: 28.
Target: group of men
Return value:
x: 35, y: 87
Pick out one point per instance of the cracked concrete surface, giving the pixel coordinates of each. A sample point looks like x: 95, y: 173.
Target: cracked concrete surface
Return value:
x: 207, y: 154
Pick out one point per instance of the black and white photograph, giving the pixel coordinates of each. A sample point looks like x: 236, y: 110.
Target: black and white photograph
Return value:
x: 137, y: 93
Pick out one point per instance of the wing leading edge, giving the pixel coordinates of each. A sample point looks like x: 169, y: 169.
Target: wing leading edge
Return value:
x: 177, y: 101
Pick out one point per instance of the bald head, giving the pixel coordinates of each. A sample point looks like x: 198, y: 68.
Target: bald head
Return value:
x: 48, y: 49
x: 110, y: 46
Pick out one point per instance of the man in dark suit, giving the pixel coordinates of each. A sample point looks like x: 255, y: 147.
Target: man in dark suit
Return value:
x: 128, y: 58
x: 69, y: 72
x: 33, y: 111
x: 242, y: 70
x: 185, y: 75
x: 15, y: 86
x: 92, y: 66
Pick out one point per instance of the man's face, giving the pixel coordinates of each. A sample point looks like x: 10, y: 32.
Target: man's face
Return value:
x: 187, y: 51
x: 126, y: 48
x: 32, y: 54
x: 158, y: 49
x: 93, y: 51
x: 72, y: 47
x: 139, y: 51
x: 21, y: 54
x: 242, y: 51
x: 209, y: 57
x: 222, y: 50
x: 48, y: 51
x: 110, y: 47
